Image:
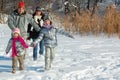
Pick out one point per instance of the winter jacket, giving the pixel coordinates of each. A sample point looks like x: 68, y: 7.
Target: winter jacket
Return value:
x: 49, y: 35
x: 19, y: 47
x: 21, y: 22
x: 31, y: 31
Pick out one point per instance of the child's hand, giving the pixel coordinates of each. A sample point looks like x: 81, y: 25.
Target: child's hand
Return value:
x: 6, y: 52
x: 32, y: 45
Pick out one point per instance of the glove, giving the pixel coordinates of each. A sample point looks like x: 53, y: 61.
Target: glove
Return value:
x: 28, y: 38
x: 6, y: 52
x: 71, y: 36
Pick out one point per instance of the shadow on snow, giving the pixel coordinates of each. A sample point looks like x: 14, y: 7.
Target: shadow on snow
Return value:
x: 4, y: 58
x: 5, y: 68
x: 38, y: 69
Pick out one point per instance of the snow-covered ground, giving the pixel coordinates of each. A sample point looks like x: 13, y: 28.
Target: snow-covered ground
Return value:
x: 82, y: 58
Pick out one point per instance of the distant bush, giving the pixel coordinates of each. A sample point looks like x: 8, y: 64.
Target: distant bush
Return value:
x: 85, y: 22
x: 3, y: 18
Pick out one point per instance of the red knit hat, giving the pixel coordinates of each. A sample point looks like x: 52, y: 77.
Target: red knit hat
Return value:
x: 21, y: 4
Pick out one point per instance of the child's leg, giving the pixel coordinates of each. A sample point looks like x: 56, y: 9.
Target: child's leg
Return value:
x: 25, y: 54
x: 52, y: 55
x: 21, y: 62
x: 14, y: 63
x: 47, y: 58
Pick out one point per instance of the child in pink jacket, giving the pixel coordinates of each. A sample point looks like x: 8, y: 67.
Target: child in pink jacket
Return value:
x: 18, y: 45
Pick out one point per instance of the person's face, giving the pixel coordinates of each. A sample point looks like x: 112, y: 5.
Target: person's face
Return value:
x: 21, y: 10
x: 38, y: 12
x: 15, y: 35
x: 48, y: 22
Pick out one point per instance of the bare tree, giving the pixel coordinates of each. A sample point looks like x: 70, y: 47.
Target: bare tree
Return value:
x: 88, y: 4
x: 2, y: 5
x: 66, y: 3
x: 95, y: 5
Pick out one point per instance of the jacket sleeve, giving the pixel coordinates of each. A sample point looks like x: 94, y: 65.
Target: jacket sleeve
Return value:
x: 11, y: 22
x: 63, y: 32
x: 23, y: 42
x: 41, y: 35
x: 9, y: 46
x: 29, y: 28
x: 33, y: 23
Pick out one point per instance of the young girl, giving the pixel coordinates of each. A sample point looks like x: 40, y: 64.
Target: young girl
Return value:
x: 18, y: 45
x: 48, y: 34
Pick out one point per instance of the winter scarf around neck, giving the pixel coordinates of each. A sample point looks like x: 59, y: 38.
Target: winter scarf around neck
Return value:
x: 14, y: 48
x: 47, y: 26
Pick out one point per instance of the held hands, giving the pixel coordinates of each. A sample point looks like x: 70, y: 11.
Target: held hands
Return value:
x: 32, y: 45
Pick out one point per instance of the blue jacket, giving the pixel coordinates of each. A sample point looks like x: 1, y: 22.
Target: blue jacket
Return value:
x: 49, y: 35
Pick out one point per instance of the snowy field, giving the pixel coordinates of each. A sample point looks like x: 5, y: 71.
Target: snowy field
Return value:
x: 82, y: 58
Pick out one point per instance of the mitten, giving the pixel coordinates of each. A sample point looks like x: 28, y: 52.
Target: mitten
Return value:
x: 71, y: 36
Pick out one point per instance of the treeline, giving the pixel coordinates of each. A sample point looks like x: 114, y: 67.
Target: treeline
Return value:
x: 86, y: 22
x: 73, y: 5
x: 6, y: 6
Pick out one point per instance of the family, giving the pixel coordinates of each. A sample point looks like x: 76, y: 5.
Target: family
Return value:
x: 37, y: 27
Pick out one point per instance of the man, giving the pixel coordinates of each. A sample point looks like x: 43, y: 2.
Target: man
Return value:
x: 20, y: 19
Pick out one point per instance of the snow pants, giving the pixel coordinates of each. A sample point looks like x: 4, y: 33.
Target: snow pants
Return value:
x: 16, y: 60
x: 49, y: 56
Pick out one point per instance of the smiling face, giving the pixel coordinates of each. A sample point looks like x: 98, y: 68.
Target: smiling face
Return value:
x: 38, y: 13
x: 15, y: 35
x: 21, y: 10
x: 48, y: 22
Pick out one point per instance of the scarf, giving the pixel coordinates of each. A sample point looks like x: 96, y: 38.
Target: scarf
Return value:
x: 47, y: 26
x: 14, y: 49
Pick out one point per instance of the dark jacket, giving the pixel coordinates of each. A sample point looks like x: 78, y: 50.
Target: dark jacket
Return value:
x: 32, y: 31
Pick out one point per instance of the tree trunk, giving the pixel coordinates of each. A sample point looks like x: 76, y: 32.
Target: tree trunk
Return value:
x: 94, y: 7
x: 88, y: 5
x: 2, y: 5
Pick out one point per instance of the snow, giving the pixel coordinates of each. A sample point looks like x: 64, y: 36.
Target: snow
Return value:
x: 82, y: 58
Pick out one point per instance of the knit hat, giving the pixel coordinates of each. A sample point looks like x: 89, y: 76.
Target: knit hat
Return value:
x: 16, y: 30
x: 21, y: 5
x: 38, y: 8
